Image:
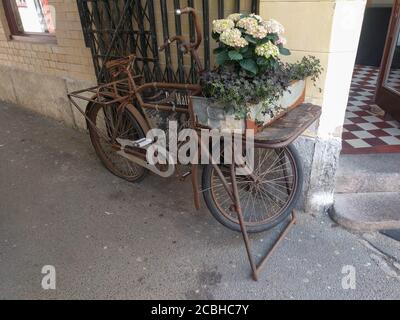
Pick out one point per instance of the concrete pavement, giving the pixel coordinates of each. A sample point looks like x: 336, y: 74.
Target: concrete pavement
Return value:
x: 368, y: 192
x: 109, y: 239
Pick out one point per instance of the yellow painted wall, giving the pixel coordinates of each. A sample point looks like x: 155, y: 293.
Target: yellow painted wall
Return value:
x: 308, y: 26
x: 329, y: 30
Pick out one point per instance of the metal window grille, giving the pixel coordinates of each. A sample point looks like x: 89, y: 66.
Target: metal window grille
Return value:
x: 117, y: 28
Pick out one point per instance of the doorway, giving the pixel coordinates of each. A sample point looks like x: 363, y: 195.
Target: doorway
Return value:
x: 388, y: 93
x: 367, y: 184
x: 371, y: 124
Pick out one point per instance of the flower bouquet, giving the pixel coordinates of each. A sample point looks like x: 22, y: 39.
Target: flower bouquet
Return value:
x: 251, y: 87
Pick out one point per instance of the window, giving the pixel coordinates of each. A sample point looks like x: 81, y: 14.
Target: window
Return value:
x: 32, y: 20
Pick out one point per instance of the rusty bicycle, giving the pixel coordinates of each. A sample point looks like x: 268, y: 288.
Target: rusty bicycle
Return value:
x: 120, y: 114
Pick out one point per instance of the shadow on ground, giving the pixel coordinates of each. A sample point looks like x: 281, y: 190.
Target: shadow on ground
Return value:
x: 109, y: 239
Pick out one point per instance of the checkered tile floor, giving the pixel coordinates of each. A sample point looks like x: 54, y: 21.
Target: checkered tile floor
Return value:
x: 394, y: 79
x: 364, y: 131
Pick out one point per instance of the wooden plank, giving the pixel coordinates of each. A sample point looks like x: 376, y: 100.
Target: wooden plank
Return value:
x: 291, y: 125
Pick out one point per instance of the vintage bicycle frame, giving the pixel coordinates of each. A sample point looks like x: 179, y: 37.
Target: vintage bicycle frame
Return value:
x: 124, y: 91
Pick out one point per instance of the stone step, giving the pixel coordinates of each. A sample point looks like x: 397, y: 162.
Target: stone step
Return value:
x: 368, y: 173
x: 367, y: 211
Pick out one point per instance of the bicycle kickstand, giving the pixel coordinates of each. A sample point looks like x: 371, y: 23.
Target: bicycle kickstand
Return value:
x: 256, y: 269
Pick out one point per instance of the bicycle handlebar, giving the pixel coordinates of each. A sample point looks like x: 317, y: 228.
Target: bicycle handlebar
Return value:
x: 173, y: 39
x: 119, y: 66
x: 199, y: 38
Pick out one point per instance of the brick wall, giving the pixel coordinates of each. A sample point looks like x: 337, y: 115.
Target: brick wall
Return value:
x: 38, y: 76
x: 69, y: 57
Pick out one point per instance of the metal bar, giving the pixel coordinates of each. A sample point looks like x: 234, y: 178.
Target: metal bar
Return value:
x: 195, y: 167
x: 195, y: 185
x: 276, y: 244
x: 192, y: 72
x: 131, y: 38
x: 164, y: 108
x: 120, y: 24
x: 98, y: 26
x: 255, y: 6
x: 85, y: 20
x: 243, y: 227
x: 143, y: 40
x: 157, y: 74
x: 108, y: 27
x: 221, y: 9
x: 178, y: 28
x: 90, y: 122
x: 168, y: 62
x: 237, y: 6
x: 206, y: 30
x: 84, y: 23
x: 117, y: 16
x: 118, y: 57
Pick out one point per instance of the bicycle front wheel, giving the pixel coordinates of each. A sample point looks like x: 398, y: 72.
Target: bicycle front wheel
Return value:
x: 265, y: 201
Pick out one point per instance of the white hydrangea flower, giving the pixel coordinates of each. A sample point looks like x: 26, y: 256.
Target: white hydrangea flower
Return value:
x: 221, y: 25
x: 257, y: 17
x: 235, y: 17
x: 248, y: 23
x: 267, y: 50
x: 259, y: 32
x: 233, y: 38
x: 281, y: 41
x: 274, y: 26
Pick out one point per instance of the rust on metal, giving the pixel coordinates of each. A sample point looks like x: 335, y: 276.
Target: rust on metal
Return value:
x: 128, y: 91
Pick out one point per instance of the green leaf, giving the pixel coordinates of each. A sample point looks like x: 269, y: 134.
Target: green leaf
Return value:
x: 244, y: 50
x: 250, y: 39
x: 284, y: 51
x: 262, y: 61
x: 215, y: 36
x: 219, y: 49
x: 248, y: 54
x: 263, y: 41
x: 274, y: 37
x: 270, y: 38
x: 222, y: 57
x: 249, y: 65
x: 234, y: 55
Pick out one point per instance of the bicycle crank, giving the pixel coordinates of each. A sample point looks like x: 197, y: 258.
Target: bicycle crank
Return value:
x: 143, y: 144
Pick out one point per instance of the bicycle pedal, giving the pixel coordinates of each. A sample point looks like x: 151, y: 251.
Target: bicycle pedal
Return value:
x: 185, y: 175
x: 141, y: 143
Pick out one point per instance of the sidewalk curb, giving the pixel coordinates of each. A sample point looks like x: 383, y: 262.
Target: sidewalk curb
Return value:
x: 366, y: 226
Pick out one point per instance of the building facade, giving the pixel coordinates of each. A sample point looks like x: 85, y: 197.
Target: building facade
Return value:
x: 37, y: 72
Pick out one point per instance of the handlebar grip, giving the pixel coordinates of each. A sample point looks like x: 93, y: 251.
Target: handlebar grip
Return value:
x: 197, y: 25
x: 182, y: 11
x: 164, y: 45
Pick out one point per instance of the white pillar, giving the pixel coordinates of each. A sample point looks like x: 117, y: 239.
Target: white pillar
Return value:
x: 329, y: 30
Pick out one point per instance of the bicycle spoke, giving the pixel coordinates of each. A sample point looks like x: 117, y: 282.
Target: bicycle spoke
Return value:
x: 113, y: 125
x: 264, y: 195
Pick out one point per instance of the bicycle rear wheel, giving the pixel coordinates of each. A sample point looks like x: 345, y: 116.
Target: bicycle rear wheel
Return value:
x: 266, y: 202
x: 112, y: 123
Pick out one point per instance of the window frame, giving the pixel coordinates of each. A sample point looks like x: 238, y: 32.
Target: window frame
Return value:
x: 16, y: 34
